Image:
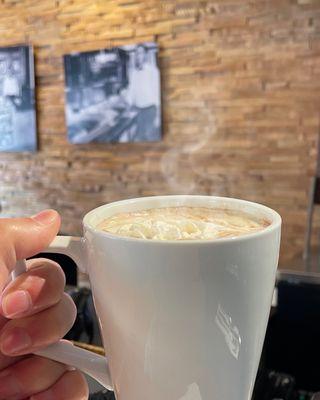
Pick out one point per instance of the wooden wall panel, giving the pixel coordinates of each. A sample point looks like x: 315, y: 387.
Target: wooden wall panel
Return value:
x: 241, y: 98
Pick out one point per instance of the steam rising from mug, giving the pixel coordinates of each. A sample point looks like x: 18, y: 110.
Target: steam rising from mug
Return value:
x: 180, y: 168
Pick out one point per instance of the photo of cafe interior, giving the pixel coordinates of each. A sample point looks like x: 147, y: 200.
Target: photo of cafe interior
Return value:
x: 159, y: 200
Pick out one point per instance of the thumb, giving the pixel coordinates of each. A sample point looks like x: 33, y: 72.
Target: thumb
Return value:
x: 24, y: 237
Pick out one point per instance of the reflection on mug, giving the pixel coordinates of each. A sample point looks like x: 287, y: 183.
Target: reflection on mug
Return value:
x: 193, y: 393
x: 231, y: 333
x: 233, y: 269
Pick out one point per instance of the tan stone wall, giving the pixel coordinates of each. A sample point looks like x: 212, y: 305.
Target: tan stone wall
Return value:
x: 241, y: 91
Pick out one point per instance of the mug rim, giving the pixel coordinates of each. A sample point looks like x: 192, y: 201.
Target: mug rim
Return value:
x: 273, y: 216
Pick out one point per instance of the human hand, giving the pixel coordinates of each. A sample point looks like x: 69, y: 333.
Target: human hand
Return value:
x: 34, y: 312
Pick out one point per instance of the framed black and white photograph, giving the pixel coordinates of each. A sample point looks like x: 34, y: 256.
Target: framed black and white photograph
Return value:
x: 113, y: 95
x: 17, y: 104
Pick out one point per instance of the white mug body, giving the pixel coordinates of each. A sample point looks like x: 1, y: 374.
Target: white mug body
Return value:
x: 182, y: 320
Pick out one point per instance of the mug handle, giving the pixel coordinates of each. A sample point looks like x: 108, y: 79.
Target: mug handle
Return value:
x: 63, y: 351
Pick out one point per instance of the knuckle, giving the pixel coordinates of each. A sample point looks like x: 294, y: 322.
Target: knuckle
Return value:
x: 48, y: 269
x: 45, y: 263
x: 69, y: 308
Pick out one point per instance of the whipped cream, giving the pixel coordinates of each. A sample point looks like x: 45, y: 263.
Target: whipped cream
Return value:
x: 182, y: 223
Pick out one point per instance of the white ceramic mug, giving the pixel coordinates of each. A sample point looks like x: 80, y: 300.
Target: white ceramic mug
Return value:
x: 180, y: 320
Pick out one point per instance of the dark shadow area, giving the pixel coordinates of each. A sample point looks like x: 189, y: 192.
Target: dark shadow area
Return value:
x: 290, y: 368
x: 67, y: 264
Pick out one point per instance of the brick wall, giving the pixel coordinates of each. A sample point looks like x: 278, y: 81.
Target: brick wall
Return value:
x: 241, y: 91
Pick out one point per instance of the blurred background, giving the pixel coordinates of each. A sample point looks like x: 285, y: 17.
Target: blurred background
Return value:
x: 240, y: 93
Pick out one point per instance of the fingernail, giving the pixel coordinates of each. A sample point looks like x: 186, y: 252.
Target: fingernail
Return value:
x: 9, y: 385
x: 16, y: 303
x: 47, y: 395
x: 15, y: 341
x: 45, y: 217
